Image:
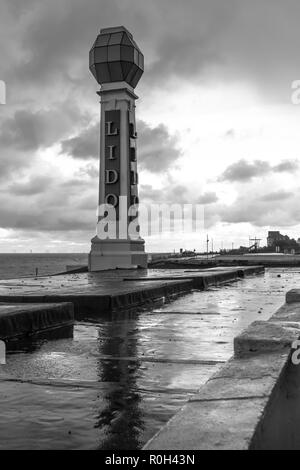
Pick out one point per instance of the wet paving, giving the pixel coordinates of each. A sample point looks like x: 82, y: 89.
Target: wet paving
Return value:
x: 115, y: 383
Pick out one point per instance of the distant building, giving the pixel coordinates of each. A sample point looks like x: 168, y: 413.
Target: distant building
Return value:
x: 282, y: 243
x: 274, y: 237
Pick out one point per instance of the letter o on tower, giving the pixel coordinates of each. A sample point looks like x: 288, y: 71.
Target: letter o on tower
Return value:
x: 111, y: 199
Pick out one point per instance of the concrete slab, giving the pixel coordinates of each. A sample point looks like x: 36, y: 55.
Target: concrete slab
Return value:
x: 205, y: 426
x: 106, y: 292
x: 202, y: 278
x: 266, y: 336
x: 90, y: 294
x: 20, y: 321
x: 292, y: 296
x: 288, y: 312
x: 226, y: 412
x: 243, y: 378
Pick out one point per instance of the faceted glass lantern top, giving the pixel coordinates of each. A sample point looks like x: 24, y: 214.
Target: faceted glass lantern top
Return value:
x: 115, y: 57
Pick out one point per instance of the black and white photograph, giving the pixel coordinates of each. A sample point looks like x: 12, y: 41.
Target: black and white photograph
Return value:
x: 149, y: 228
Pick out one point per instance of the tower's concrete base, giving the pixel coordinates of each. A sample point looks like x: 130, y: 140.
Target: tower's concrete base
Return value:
x: 112, y: 254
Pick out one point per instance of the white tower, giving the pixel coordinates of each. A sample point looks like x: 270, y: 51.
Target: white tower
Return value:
x: 117, y: 64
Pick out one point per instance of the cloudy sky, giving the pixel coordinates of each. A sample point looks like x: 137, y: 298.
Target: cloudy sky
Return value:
x: 216, y: 120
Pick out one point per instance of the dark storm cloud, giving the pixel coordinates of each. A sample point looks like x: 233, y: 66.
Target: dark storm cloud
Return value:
x: 261, y: 211
x: 14, y: 163
x: 29, y: 130
x: 25, y: 130
x: 253, y: 41
x: 243, y: 171
x: 33, y: 186
x: 58, y: 206
x: 47, y: 220
x: 84, y: 145
x: 21, y: 216
x: 157, y: 148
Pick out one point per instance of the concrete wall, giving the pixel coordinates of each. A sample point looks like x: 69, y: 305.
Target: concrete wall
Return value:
x: 280, y: 427
x: 253, y: 402
x: 271, y: 260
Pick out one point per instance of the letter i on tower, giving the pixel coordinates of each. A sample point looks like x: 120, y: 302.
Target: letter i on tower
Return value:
x: 117, y: 64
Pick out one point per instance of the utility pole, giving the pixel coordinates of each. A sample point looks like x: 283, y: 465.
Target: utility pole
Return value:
x: 256, y: 243
x: 207, y: 241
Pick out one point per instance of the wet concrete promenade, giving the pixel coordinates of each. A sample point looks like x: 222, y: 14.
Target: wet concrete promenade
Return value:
x: 115, y: 383
x: 115, y: 291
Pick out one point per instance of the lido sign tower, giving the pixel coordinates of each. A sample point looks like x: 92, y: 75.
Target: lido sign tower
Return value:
x: 117, y: 64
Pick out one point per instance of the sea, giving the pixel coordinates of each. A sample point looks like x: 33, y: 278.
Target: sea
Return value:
x: 16, y: 265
